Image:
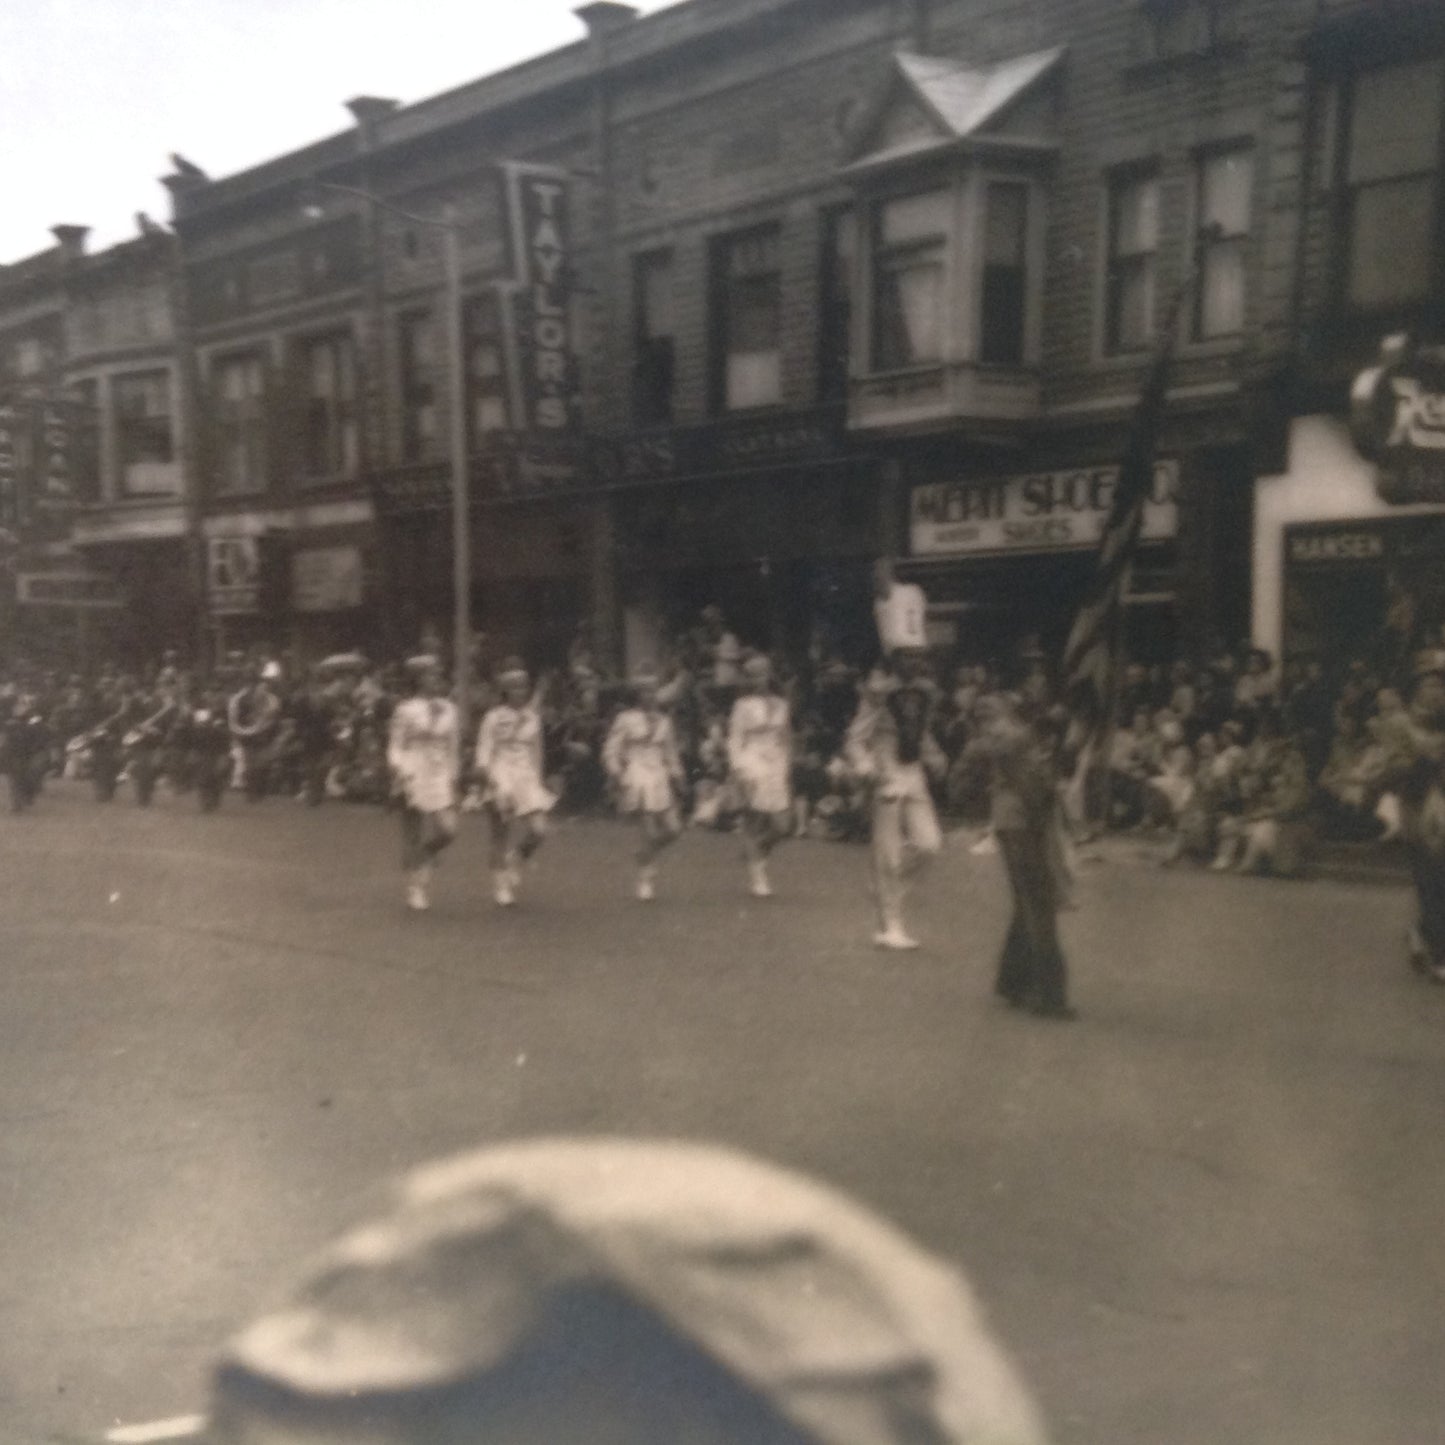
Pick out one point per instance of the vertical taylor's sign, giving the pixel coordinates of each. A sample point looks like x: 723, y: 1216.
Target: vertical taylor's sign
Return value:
x: 545, y: 370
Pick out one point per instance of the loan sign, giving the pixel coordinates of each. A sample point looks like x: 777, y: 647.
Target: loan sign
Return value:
x: 1033, y: 512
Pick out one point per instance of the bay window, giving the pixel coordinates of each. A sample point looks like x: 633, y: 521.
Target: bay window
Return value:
x: 910, y: 276
x: 1003, y: 300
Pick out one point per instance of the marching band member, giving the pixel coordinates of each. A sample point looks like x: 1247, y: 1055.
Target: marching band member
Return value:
x: 423, y: 752
x: 890, y: 745
x: 253, y: 714
x: 759, y: 747
x: 509, y: 760
x: 641, y: 757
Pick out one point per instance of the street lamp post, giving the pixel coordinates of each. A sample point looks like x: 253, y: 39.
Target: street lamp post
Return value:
x: 449, y: 227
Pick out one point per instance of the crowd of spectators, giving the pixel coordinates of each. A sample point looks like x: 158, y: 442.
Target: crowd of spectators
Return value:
x: 1234, y: 762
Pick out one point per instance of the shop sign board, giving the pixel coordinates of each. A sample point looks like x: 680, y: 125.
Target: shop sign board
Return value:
x: 233, y: 576
x: 85, y: 591
x: 1033, y: 512
x: 1324, y: 547
x: 326, y: 579
x: 539, y: 209
x: 1397, y: 419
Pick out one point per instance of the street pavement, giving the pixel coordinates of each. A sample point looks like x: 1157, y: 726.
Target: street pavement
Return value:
x: 1209, y: 1211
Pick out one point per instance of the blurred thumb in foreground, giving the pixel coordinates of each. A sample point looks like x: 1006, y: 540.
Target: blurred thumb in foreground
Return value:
x: 610, y: 1292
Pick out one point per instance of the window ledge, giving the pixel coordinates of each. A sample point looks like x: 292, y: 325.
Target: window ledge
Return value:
x: 1212, y: 346
x: 1218, y: 54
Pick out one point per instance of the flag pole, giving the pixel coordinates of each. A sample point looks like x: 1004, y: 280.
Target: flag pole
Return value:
x: 1094, y: 650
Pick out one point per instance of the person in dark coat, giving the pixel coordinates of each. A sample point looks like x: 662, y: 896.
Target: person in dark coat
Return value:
x: 1414, y: 769
x: 1032, y: 973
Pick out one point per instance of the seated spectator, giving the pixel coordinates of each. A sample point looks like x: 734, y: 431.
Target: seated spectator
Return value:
x: 1268, y: 833
x: 1348, y: 791
x: 1130, y: 765
x: 1170, y: 789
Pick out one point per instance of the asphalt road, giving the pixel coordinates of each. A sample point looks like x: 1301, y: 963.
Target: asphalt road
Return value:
x: 1210, y: 1211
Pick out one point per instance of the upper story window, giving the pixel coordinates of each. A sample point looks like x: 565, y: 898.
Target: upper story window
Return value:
x: 1224, y: 192
x: 145, y: 444
x: 835, y: 302
x: 1133, y: 246
x: 747, y: 320
x: 487, y: 411
x: 653, y: 339
x: 420, y: 355
x: 1003, y: 299
x: 1172, y: 29
x: 331, y: 446
x: 238, y: 384
x: 910, y: 277
x: 1392, y: 162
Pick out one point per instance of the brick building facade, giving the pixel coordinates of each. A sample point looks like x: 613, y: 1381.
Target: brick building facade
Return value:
x: 827, y: 280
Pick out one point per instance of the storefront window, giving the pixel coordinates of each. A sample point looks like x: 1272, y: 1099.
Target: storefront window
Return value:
x: 748, y: 297
x: 910, y: 271
x: 653, y: 339
x: 1224, y: 184
x: 239, y: 386
x: 1133, y: 244
x: 1004, y: 296
x: 331, y: 444
x: 1392, y: 162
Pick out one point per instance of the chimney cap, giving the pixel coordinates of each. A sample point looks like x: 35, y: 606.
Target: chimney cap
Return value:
x: 71, y: 238
x: 368, y: 109
x: 601, y: 17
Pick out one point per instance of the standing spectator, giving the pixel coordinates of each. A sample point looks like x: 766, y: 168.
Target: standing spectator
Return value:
x: 1414, y: 743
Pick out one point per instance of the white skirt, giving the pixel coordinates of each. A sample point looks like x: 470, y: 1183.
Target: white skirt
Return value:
x: 763, y: 790
x: 516, y: 792
x: 645, y: 790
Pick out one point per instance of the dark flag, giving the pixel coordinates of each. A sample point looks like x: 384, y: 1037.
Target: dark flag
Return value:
x: 1093, y: 654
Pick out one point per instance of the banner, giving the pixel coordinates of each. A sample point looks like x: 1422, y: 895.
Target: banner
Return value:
x: 545, y: 390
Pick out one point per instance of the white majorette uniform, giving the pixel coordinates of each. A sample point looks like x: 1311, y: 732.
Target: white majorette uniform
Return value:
x: 423, y: 752
x: 760, y: 753
x: 509, y: 756
x: 891, y: 745
x: 641, y: 755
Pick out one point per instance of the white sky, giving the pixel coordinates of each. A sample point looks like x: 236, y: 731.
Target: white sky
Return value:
x: 95, y: 94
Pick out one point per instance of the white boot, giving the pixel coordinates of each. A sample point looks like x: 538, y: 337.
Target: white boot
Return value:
x: 504, y: 887
x: 417, y: 898
x: 758, y: 884
x: 646, y: 883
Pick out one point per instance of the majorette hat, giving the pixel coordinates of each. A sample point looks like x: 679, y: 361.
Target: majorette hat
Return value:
x: 423, y: 662
x: 512, y: 670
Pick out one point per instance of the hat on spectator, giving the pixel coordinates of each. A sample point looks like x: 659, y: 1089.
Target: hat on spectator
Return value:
x: 512, y: 670
x: 423, y: 662
x: 832, y: 1318
x: 1430, y: 662
x: 758, y: 667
